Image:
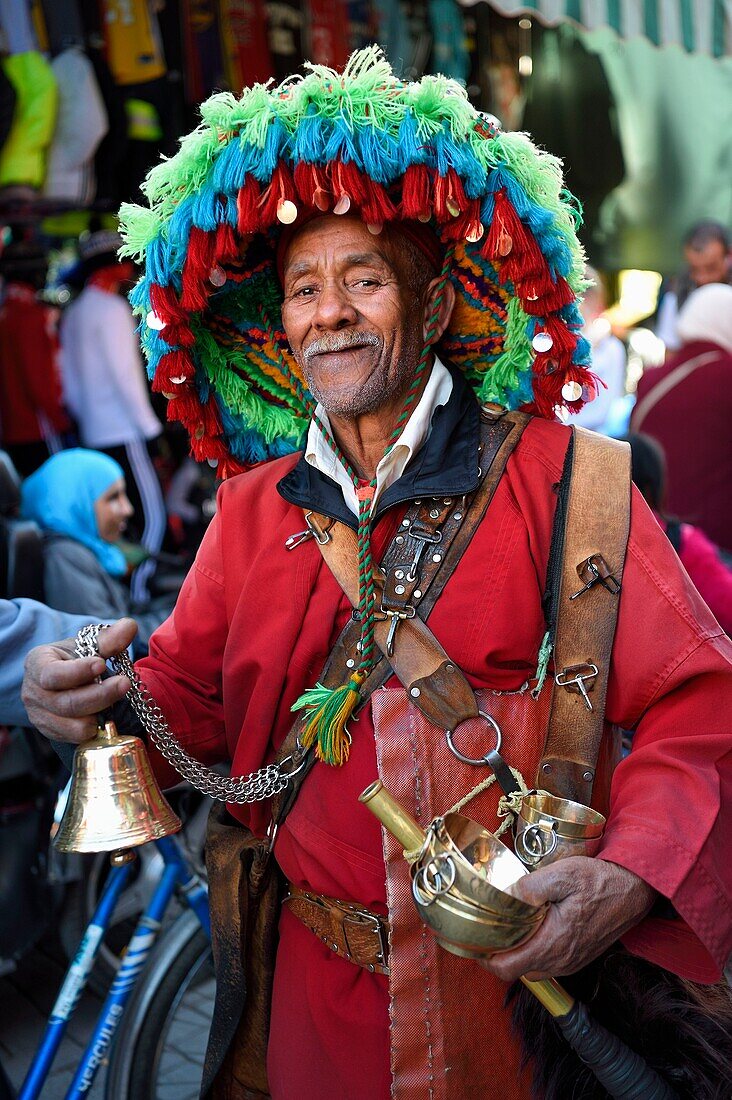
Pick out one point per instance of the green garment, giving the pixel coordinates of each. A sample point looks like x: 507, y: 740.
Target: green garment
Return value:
x: 23, y: 156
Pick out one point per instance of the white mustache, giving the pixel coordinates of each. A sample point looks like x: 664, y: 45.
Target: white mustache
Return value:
x: 340, y: 341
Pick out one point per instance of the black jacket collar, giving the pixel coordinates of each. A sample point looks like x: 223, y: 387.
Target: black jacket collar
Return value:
x: 447, y: 464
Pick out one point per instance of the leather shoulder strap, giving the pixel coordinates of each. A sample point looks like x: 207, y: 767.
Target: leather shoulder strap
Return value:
x: 435, y: 684
x: 589, y: 549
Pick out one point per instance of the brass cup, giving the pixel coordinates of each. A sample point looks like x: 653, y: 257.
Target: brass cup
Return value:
x: 549, y: 828
x: 459, y: 880
x: 484, y: 866
x: 472, y: 915
x: 470, y: 932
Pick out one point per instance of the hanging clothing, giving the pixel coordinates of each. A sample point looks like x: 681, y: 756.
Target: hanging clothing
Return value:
x: 23, y: 155
x: 132, y: 40
x: 261, y: 620
x: 80, y: 127
x: 32, y: 416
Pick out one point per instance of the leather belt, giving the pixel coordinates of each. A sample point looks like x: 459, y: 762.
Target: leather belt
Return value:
x: 351, y: 931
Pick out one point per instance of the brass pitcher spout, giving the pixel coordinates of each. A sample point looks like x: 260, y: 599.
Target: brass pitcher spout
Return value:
x: 448, y: 906
x: 114, y: 801
x: 392, y: 816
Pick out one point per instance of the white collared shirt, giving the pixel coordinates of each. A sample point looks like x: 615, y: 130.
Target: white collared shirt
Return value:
x: 392, y: 466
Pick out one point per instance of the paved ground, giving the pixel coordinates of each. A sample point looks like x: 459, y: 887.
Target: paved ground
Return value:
x: 26, y: 997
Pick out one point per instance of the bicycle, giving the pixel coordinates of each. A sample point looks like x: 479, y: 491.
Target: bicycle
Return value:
x: 177, y: 959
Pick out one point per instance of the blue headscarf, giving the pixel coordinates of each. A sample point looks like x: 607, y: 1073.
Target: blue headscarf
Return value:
x: 60, y: 497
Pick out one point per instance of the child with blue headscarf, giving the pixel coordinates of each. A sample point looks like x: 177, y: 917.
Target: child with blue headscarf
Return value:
x: 78, y: 499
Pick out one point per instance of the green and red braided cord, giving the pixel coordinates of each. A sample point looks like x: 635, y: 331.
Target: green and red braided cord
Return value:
x: 329, y: 710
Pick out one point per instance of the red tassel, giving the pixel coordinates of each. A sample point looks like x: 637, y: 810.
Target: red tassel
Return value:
x: 449, y: 197
x: 564, y: 341
x: 281, y: 188
x: 458, y: 229
x: 184, y: 407
x: 378, y: 207
x: 171, y: 368
x: 197, y: 267
x: 229, y: 467
x: 210, y: 420
x: 511, y: 245
x: 313, y: 186
x: 200, y: 251
x: 540, y: 296
x: 226, y: 247
x: 206, y: 448
x: 498, y: 240
x: 416, y: 202
x: 247, y: 206
x: 178, y: 335
x: 347, y: 180
x: 165, y: 305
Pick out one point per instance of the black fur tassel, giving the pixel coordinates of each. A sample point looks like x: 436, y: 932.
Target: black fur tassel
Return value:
x: 682, y: 1029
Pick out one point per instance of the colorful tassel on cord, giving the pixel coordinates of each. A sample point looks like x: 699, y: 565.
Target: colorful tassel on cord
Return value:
x: 329, y: 710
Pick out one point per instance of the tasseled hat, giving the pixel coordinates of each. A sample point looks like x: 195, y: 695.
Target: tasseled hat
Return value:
x: 361, y: 141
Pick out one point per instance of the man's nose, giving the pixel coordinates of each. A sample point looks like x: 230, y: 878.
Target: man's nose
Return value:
x: 334, y: 309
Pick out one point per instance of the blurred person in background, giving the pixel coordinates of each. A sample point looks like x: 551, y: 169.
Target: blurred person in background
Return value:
x: 708, y: 255
x: 79, y: 500
x: 686, y: 405
x: 106, y: 389
x: 608, y: 359
x: 32, y: 416
x: 699, y: 556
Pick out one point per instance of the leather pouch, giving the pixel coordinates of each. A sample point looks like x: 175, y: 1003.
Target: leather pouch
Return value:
x: 245, y: 894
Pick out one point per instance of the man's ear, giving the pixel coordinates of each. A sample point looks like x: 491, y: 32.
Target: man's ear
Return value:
x: 445, y: 311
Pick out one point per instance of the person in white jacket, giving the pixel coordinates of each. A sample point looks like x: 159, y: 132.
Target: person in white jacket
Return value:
x: 106, y: 389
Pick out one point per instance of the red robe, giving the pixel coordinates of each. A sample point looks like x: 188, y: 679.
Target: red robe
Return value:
x: 252, y: 628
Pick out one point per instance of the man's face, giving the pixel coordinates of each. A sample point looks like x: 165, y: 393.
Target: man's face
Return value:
x: 709, y: 264
x: 354, y: 323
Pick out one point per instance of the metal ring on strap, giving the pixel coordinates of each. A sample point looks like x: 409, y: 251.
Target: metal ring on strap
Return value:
x: 483, y: 760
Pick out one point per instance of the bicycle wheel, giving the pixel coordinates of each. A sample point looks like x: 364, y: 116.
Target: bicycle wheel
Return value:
x: 160, y: 1045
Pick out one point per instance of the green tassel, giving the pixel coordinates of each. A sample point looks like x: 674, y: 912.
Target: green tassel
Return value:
x: 329, y: 711
x: 542, y: 666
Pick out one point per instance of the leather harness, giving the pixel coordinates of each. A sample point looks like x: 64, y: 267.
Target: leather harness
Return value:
x: 588, y: 549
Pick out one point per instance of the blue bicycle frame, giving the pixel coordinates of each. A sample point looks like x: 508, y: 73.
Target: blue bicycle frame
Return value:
x: 176, y: 873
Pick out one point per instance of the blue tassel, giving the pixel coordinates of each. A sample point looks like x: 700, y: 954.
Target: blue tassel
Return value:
x: 274, y: 147
x: 206, y: 209
x: 410, y: 150
x: 582, y: 353
x: 311, y: 138
x: 341, y: 144
x: 157, y: 262
x: 379, y: 156
x: 228, y: 173
x: 487, y: 210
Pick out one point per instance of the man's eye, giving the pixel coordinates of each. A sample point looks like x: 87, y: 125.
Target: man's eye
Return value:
x: 367, y: 282
x: 304, y: 292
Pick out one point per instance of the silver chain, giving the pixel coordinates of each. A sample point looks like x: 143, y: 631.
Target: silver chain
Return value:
x: 265, y: 783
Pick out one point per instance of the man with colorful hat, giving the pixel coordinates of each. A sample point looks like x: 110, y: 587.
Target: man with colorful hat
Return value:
x: 348, y: 281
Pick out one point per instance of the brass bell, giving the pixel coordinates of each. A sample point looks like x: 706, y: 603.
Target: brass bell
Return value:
x: 114, y: 801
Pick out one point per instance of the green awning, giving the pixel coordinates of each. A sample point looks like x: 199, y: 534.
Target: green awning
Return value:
x: 697, y: 26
